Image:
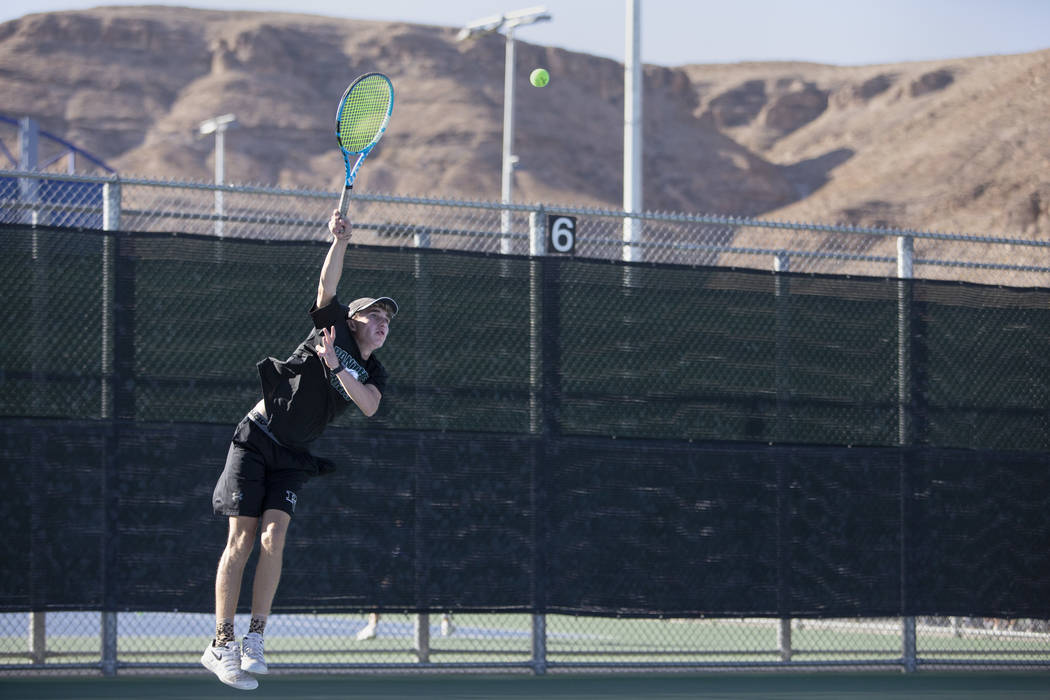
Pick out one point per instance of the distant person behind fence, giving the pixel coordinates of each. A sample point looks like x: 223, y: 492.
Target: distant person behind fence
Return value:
x: 371, y: 628
x: 269, y: 462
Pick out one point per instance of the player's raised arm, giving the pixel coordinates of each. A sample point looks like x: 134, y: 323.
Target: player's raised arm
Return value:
x: 332, y: 269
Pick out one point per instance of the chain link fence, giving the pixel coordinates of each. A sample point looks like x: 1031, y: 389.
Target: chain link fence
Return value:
x: 521, y: 229
x: 78, y: 641
x: 470, y: 642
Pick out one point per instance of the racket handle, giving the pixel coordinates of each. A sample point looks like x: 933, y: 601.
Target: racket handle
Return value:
x: 344, y: 200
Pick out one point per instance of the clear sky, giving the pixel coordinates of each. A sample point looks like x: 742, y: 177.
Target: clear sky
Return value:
x: 677, y: 32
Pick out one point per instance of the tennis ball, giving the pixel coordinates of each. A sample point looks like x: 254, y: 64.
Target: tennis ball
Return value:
x: 540, y: 77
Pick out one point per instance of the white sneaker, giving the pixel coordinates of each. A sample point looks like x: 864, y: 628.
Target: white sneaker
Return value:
x: 369, y: 632
x: 225, y: 662
x: 252, y: 659
x: 447, y: 628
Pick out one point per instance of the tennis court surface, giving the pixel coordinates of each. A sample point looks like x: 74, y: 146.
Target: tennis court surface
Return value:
x: 853, y: 686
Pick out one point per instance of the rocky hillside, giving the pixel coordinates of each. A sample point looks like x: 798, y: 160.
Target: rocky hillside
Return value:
x: 960, y: 145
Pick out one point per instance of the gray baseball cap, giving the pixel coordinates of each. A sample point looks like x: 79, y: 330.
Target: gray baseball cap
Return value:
x: 364, y: 302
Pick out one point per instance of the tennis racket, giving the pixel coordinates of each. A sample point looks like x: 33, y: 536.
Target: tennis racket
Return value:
x: 362, y: 117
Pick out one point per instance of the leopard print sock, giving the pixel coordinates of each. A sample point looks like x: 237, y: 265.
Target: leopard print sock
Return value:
x: 258, y: 624
x: 223, y: 633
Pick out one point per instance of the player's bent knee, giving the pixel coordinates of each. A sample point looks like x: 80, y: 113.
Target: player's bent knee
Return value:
x: 274, y: 531
x: 272, y: 540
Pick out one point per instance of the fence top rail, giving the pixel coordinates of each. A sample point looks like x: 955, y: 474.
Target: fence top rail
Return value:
x: 669, y: 217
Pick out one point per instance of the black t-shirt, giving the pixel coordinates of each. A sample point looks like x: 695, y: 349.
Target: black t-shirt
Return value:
x: 301, y: 395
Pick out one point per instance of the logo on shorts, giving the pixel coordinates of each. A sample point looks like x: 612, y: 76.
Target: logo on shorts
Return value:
x: 238, y: 496
x: 291, y: 498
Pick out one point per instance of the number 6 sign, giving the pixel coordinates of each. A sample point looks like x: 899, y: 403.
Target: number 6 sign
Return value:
x: 561, y: 233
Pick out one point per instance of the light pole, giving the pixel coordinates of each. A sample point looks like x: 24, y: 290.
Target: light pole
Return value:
x: 218, y: 126
x: 632, y: 132
x: 488, y: 25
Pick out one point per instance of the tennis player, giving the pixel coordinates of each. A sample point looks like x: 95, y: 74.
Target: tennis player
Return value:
x: 269, y: 460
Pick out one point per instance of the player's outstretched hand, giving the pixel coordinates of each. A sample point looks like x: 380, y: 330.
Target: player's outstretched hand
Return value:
x: 326, y: 351
x: 339, y: 226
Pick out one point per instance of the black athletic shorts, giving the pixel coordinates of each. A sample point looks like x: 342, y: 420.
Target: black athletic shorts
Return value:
x: 260, y: 474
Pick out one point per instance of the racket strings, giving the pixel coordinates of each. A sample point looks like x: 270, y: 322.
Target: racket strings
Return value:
x: 364, y: 112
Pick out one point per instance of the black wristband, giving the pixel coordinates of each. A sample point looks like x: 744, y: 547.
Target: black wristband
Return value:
x: 336, y: 370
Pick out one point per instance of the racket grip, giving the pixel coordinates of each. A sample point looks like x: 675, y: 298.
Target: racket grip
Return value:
x: 344, y: 200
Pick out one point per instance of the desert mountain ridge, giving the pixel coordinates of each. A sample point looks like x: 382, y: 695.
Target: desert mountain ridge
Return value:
x: 956, y: 145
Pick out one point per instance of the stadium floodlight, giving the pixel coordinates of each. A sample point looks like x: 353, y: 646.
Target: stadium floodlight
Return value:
x: 507, y: 22
x: 220, y: 123
x: 218, y: 126
x: 510, y: 20
x: 486, y: 25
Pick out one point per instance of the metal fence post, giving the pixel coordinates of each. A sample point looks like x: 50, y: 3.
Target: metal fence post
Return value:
x: 539, y: 644
x: 538, y: 413
x: 28, y: 153
x: 784, y: 639
x: 29, y: 189
x: 537, y: 239
x: 110, y: 222
x: 424, y: 386
x: 38, y: 637
x: 908, y: 644
x: 905, y: 270
x: 781, y: 291
x: 537, y: 249
x: 109, y: 643
x: 111, y: 205
x: 422, y: 637
x: 37, y: 632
